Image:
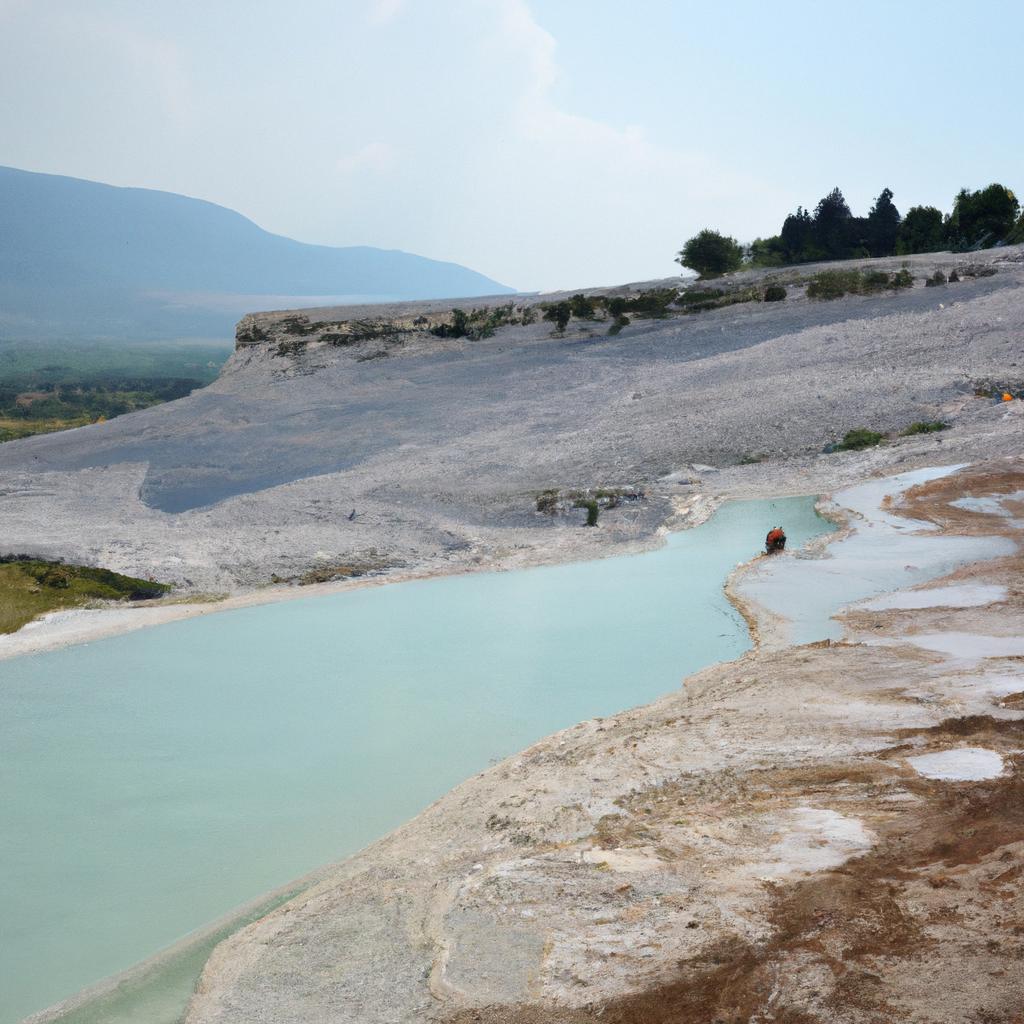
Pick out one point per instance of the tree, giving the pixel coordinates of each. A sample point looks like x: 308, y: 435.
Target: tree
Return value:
x: 768, y: 252
x: 710, y: 254
x: 832, y: 226
x: 980, y: 219
x: 883, y: 224
x: 797, y: 236
x: 558, y: 313
x: 922, y: 230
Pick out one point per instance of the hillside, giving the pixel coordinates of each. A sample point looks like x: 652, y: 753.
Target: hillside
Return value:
x: 444, y: 445
x: 80, y: 259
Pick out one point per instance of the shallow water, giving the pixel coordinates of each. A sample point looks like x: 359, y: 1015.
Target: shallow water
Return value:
x: 153, y: 781
x: 885, y: 552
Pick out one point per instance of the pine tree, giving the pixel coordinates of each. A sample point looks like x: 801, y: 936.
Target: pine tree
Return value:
x: 883, y: 224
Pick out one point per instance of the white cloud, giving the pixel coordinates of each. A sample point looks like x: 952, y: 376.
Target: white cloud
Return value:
x: 601, y: 202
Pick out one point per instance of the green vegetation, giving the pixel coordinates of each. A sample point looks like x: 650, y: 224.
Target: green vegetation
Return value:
x: 925, y: 427
x: 833, y: 284
x: 698, y: 300
x: 48, y: 386
x: 592, y: 507
x: 856, y: 440
x: 558, y: 313
x: 981, y: 219
x: 922, y: 230
x: 477, y: 323
x: 553, y: 501
x: 710, y: 254
x: 27, y: 410
x: 938, y: 278
x: 978, y: 220
x: 582, y: 307
x: 30, y: 587
x: 774, y: 293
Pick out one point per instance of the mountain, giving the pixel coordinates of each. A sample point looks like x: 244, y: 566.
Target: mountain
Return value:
x: 81, y: 259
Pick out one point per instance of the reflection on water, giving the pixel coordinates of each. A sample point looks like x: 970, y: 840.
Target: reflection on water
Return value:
x: 153, y: 781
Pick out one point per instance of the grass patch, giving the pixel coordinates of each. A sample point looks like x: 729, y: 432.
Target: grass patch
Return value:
x: 834, y: 284
x: 31, y: 587
x: 925, y: 427
x: 856, y: 440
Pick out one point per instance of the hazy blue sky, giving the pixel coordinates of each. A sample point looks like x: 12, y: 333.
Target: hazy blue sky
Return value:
x: 546, y: 143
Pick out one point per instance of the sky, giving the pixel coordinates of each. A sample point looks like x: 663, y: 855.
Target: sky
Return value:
x: 545, y: 143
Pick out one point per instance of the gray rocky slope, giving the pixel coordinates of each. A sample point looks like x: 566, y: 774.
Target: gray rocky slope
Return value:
x: 441, y: 445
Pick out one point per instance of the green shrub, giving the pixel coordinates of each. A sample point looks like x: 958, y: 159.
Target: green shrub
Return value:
x: 618, y: 323
x: 582, y: 307
x: 710, y: 254
x: 593, y: 509
x: 874, y: 281
x: 936, y: 279
x: 547, y: 502
x: 558, y: 313
x: 696, y: 301
x: 953, y: 276
x: 477, y: 323
x: 653, y: 303
x: 774, y: 293
x: 855, y: 440
x: 925, y: 427
x: 833, y: 284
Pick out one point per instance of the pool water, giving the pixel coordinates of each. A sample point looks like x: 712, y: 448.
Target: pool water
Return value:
x: 152, y: 782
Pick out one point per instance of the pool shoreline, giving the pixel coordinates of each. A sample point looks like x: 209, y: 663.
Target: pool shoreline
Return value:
x: 60, y: 629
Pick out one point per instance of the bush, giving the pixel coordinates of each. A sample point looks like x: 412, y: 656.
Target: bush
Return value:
x: 874, y: 281
x: 582, y: 307
x: 547, y: 502
x: 774, y: 293
x: 833, y: 284
x: 618, y: 323
x: 558, y: 313
x: 476, y: 324
x: 935, y: 280
x: 652, y: 303
x: 593, y: 509
x: 696, y: 296
x: 855, y: 440
x: 953, y: 276
x: 925, y: 427
x: 710, y: 254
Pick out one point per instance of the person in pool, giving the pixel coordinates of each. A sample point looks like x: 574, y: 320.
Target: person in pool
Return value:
x: 775, y: 541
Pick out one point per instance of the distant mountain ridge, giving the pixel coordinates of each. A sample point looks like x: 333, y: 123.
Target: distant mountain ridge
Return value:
x: 83, y: 259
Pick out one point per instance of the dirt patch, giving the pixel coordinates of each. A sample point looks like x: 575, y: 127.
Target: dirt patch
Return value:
x: 844, y: 941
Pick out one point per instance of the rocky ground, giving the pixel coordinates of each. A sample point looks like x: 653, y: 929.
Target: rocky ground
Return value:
x: 801, y: 835
x: 440, y: 446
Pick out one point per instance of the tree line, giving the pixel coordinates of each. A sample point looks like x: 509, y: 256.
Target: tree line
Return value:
x: 990, y: 216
